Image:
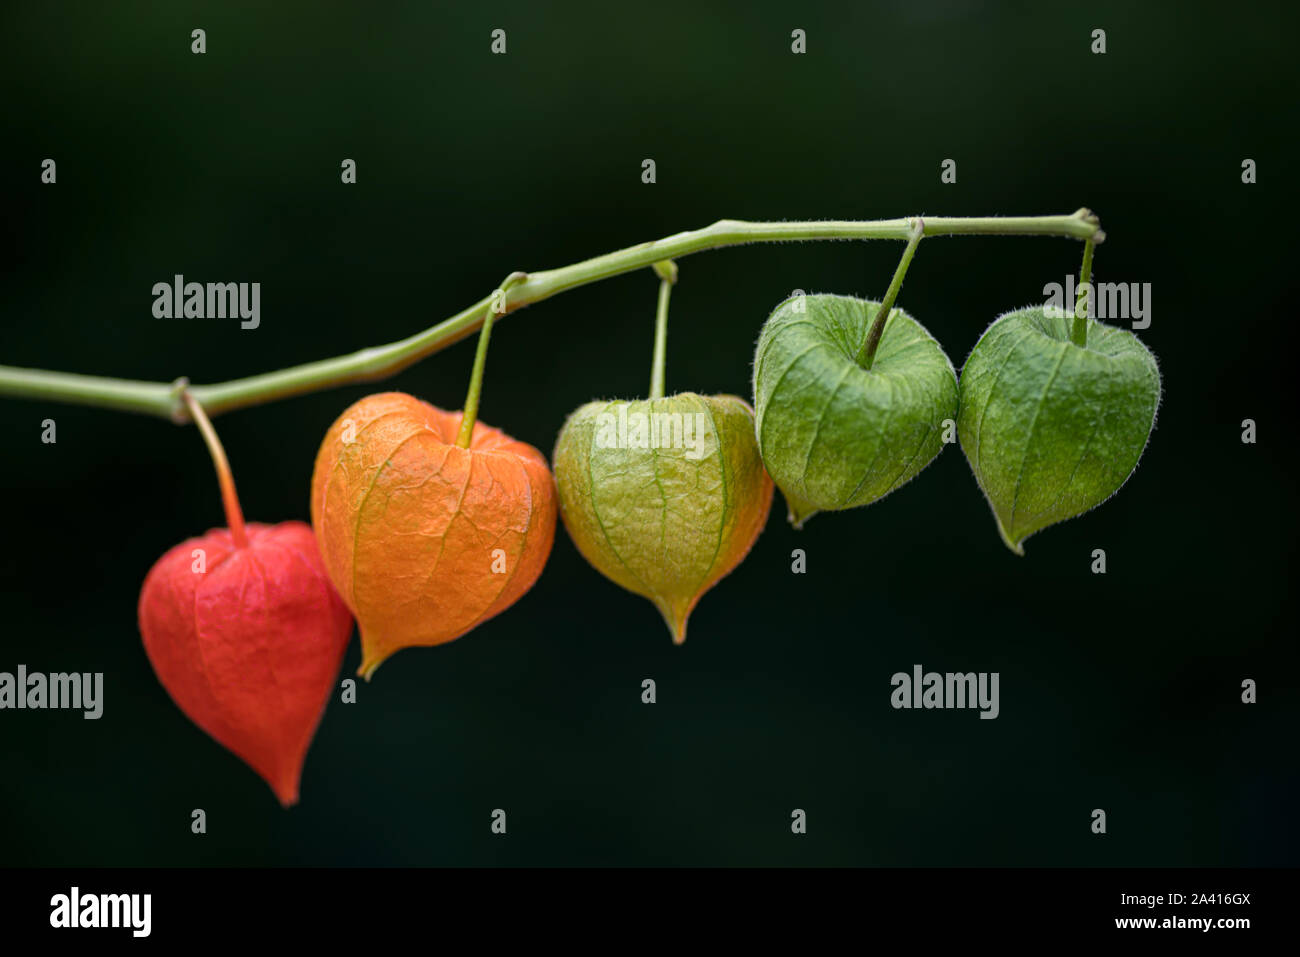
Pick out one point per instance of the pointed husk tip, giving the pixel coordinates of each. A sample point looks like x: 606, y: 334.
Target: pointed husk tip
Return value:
x: 371, y: 659
x: 285, y: 788
x: 797, y: 512
x: 676, y: 622
x: 1017, y: 547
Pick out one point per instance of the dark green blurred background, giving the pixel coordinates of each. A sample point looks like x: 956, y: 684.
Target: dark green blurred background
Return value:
x: 1119, y: 691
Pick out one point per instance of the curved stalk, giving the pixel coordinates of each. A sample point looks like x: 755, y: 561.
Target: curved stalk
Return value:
x: 667, y: 273
x: 867, y: 354
x: 234, y: 514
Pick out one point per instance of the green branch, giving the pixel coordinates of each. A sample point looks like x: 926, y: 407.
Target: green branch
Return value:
x: 380, y: 362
